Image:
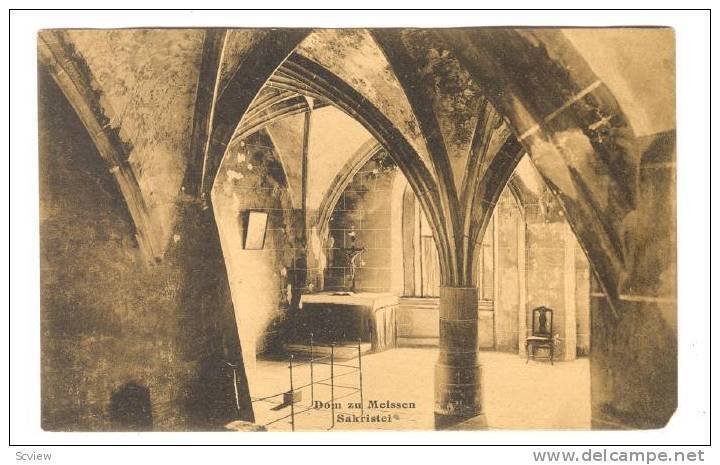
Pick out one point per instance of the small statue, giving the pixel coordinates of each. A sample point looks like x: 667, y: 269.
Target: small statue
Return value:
x: 352, y: 254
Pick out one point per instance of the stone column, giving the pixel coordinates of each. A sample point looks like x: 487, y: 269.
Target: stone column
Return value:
x: 522, y: 287
x: 417, y: 251
x: 497, y: 276
x: 458, y: 371
x: 315, y: 260
x: 570, y: 329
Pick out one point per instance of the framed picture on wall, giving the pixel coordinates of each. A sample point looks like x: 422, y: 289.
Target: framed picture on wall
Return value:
x: 255, y: 229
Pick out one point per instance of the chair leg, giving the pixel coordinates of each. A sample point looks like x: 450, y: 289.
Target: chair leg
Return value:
x: 552, y: 355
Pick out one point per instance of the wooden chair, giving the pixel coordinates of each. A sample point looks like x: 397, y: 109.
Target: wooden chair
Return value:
x: 542, y: 334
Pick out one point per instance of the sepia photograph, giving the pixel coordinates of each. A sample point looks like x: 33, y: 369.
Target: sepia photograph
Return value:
x: 323, y: 229
x: 296, y: 228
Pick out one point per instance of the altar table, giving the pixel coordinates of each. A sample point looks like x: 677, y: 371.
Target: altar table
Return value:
x: 333, y: 318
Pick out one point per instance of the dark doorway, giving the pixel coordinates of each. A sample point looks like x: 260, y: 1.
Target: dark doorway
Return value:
x: 130, y: 408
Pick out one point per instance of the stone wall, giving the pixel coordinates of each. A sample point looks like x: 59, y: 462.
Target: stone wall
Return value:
x: 634, y: 344
x: 147, y: 77
x: 508, y: 220
x: 545, y: 272
x: 582, y: 301
x: 265, y: 283
x: 117, y: 331
x: 363, y: 212
x: 537, y: 261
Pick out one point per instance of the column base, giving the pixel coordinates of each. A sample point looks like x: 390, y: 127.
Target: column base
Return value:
x: 458, y: 391
x: 456, y: 423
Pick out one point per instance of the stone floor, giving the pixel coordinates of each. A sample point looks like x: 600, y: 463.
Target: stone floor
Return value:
x: 516, y: 395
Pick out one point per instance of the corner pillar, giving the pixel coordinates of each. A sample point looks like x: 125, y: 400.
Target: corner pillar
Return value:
x: 570, y: 329
x: 315, y: 260
x: 522, y: 286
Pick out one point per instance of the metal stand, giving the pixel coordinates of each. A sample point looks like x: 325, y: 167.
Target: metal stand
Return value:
x: 288, y: 397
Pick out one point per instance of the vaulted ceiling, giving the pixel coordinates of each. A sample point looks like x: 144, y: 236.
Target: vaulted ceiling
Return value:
x: 457, y: 109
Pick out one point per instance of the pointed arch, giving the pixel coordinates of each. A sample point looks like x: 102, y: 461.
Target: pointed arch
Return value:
x: 74, y: 78
x: 341, y: 181
x: 208, y: 74
x: 230, y: 106
x: 487, y: 193
x: 419, y: 94
x: 571, y: 126
x: 307, y: 77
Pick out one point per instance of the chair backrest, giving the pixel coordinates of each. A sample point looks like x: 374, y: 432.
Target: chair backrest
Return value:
x: 542, y: 322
